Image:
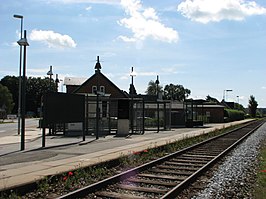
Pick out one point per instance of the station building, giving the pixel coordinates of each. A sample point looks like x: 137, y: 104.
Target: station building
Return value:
x: 142, y: 111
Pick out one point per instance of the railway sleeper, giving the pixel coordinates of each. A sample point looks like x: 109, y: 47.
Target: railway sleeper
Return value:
x: 143, y: 189
x: 187, y: 164
x: 152, y: 182
x: 173, y: 172
x: 116, y: 195
x: 166, y: 177
x: 204, y: 153
x: 213, y: 150
x: 178, y: 168
x: 189, y: 160
x: 196, y: 158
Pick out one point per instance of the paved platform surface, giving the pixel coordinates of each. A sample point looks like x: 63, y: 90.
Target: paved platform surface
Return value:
x: 64, y: 154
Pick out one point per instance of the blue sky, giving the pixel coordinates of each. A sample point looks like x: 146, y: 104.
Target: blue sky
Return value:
x: 207, y: 46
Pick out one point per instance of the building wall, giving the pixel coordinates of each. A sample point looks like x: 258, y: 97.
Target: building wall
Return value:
x: 102, y: 81
x: 213, y: 115
x: 71, y: 88
x: 216, y: 115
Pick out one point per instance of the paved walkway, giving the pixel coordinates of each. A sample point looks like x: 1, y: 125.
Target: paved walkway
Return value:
x: 21, y: 167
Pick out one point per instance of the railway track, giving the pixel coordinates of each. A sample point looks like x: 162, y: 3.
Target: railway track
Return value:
x: 168, y: 176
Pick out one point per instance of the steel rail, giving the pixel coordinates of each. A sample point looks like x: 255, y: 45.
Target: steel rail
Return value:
x: 177, y: 189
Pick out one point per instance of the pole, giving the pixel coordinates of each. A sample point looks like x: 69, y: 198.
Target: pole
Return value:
x: 97, y: 103
x: 158, y: 112
x: 23, y: 98
x: 97, y: 115
x: 132, y: 101
x: 19, y: 80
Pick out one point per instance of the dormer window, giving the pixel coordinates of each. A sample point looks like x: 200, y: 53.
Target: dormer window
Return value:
x: 94, y: 89
x: 102, y: 89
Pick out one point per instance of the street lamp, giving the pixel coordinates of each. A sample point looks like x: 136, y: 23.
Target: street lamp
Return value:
x: 19, y: 80
x: 238, y: 106
x: 57, y: 82
x: 50, y: 73
x: 157, y: 93
x: 23, y: 42
x: 132, y: 92
x: 225, y: 93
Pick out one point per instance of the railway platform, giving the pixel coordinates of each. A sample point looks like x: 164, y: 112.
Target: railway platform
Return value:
x: 62, y: 154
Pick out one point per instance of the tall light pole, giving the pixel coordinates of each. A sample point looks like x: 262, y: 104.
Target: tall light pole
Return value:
x: 97, y: 71
x: 225, y: 93
x: 157, y: 93
x: 57, y: 82
x: 50, y: 73
x: 132, y: 74
x: 238, y: 106
x: 23, y: 42
x: 19, y: 80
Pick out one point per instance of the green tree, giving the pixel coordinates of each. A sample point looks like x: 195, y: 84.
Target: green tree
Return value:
x: 12, y: 83
x: 253, y: 104
x: 176, y: 92
x: 35, y: 88
x: 6, y: 100
x: 152, y: 88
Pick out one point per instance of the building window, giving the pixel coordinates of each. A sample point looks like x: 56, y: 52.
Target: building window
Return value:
x: 102, y: 89
x: 94, y: 89
x: 104, y: 108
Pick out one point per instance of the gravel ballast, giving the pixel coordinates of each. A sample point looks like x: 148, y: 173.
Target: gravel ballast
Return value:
x: 236, y: 176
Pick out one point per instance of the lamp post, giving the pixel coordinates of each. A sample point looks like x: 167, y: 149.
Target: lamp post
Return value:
x: 57, y: 82
x: 157, y: 93
x: 23, y: 42
x: 50, y: 73
x: 97, y: 71
x: 238, y: 107
x: 132, y: 74
x: 225, y: 93
x: 19, y: 80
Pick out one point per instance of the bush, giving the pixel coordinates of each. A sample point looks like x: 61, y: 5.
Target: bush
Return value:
x: 233, y: 115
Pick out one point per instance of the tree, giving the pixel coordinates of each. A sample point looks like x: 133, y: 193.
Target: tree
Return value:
x: 152, y: 88
x: 12, y: 83
x: 176, y: 92
x: 35, y: 88
x: 253, y: 104
x: 6, y: 100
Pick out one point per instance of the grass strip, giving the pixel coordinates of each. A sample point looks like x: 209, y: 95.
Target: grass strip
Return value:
x: 260, y: 188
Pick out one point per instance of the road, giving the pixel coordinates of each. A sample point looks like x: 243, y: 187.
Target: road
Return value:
x: 7, y: 129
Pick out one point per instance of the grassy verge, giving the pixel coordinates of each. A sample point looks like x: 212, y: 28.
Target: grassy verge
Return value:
x: 260, y: 189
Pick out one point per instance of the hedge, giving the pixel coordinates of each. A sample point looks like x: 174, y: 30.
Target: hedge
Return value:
x: 231, y: 115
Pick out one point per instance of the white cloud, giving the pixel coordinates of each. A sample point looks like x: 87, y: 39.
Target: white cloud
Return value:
x: 88, y: 8
x: 111, y: 2
x: 144, y: 23
x: 52, y: 39
x: 205, y: 11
